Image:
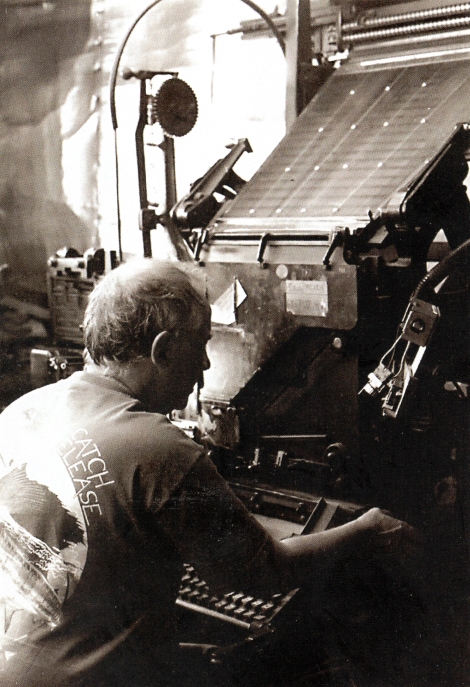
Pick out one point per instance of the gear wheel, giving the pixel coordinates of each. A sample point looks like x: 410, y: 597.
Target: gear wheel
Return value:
x: 176, y: 107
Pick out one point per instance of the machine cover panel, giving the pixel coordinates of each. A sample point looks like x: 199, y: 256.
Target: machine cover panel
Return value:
x: 362, y: 138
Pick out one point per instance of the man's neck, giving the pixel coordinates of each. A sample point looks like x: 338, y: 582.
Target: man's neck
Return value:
x: 131, y: 375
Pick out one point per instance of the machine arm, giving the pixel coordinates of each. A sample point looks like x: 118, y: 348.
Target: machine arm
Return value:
x: 199, y: 206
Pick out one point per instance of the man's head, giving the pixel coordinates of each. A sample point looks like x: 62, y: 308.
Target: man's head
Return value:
x: 146, y: 319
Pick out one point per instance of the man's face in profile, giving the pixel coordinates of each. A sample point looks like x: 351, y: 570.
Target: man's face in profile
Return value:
x: 191, y: 363
x: 184, y: 364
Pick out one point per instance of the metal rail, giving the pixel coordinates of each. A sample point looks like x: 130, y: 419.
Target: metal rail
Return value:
x: 407, y: 24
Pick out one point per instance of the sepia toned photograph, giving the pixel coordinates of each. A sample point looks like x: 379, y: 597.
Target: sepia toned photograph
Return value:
x: 234, y: 343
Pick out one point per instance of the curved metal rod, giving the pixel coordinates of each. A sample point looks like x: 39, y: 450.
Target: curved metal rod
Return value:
x: 112, y: 105
x: 117, y: 59
x: 113, y: 80
x: 269, y: 22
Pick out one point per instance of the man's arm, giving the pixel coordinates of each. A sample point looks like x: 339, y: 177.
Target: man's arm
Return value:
x: 230, y: 549
x: 373, y: 532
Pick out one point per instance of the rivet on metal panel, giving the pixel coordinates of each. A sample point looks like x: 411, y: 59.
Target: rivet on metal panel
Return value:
x: 337, y: 343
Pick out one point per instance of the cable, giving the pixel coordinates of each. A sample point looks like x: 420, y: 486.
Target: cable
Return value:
x: 269, y: 22
x: 390, y: 350
x: 112, y: 105
x: 117, y: 59
x: 118, y: 202
x: 441, y: 270
x: 402, y: 361
x: 113, y: 80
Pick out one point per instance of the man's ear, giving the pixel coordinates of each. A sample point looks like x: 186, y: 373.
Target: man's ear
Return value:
x: 160, y: 346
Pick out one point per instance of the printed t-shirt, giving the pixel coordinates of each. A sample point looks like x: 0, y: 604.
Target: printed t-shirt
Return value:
x: 101, y: 503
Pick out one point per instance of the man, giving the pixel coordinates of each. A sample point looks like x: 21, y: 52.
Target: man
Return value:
x: 102, y: 500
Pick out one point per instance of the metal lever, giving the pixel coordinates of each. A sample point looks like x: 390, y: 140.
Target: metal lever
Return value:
x: 336, y: 243
x: 201, y: 239
x: 261, y: 249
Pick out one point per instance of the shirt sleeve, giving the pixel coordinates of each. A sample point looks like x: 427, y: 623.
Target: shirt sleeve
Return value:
x: 218, y: 536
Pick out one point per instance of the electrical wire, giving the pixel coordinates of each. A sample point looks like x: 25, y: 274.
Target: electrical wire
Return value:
x: 113, y: 80
x: 443, y: 268
x: 402, y: 361
x: 392, y: 348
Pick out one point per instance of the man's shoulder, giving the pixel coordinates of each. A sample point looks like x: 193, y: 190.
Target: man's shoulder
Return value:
x: 154, y: 456
x: 40, y: 398
x: 158, y: 438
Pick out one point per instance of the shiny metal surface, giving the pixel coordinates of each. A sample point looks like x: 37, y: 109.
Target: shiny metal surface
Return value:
x: 362, y: 138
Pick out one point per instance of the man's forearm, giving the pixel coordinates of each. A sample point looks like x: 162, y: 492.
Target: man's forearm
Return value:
x: 313, y: 554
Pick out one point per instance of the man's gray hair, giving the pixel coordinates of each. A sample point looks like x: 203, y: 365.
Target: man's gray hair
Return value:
x: 134, y: 303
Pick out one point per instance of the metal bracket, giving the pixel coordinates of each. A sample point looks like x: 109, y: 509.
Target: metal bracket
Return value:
x: 148, y: 219
x: 337, y: 242
x: 261, y: 249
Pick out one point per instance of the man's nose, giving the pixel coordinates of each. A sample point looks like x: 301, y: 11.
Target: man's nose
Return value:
x: 206, y: 363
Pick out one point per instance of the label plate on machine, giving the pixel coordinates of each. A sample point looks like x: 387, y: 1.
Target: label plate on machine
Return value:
x: 307, y: 298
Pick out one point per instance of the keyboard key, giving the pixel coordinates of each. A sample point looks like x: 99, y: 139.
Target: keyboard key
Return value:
x: 234, y: 606
x: 221, y: 604
x: 247, y: 600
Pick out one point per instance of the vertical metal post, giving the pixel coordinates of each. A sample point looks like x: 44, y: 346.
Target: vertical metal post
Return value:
x: 170, y: 173
x: 298, y: 56
x: 141, y: 171
x: 181, y: 247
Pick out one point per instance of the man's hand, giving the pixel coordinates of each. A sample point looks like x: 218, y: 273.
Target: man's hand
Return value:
x: 389, y: 535
x: 375, y: 533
